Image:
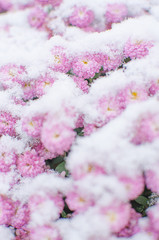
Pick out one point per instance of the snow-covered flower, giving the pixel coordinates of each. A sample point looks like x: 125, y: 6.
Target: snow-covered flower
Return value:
x: 57, y: 137
x: 81, y: 17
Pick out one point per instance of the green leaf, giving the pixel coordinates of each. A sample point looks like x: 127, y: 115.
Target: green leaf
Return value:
x: 64, y: 215
x: 142, y: 201
x: 61, y: 167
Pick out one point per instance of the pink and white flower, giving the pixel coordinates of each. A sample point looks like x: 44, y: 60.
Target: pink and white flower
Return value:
x: 36, y: 17
x: 29, y: 164
x: 57, y: 137
x: 85, y: 66
x: 137, y: 49
x: 81, y: 17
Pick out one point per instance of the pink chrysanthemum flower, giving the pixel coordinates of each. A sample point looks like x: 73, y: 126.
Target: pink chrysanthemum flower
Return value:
x: 28, y: 88
x: 42, y: 84
x: 134, y: 186
x: 108, y: 108
x: 45, y: 232
x: 6, y: 209
x: 60, y: 61
x: 37, y: 201
x: 32, y: 125
x: 87, y: 169
x: 116, y: 12
x: 7, y: 123
x: 11, y: 73
x: 117, y: 215
x: 134, y: 92
x: 54, y: 3
x: 132, y: 227
x: 137, y: 49
x: 79, y: 202
x: 57, y: 137
x: 36, y: 17
x: 21, y: 215
x: 81, y: 83
x: 43, y: 152
x: 85, y: 66
x: 30, y: 164
x: 153, y: 215
x: 7, y: 159
x: 152, y: 179
x: 81, y: 17
x: 109, y: 61
x: 146, y: 129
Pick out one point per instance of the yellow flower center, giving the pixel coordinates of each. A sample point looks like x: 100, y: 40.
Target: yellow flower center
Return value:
x: 56, y: 135
x: 11, y: 73
x: 81, y: 200
x: 134, y: 95
x: 90, y: 168
x: 112, y: 216
x: 46, y: 84
x: 85, y: 62
x: 31, y: 124
x: 109, y: 109
x: 57, y: 59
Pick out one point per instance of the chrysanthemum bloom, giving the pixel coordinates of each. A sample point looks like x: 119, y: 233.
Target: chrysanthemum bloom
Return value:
x: 79, y: 202
x: 57, y: 137
x: 117, y: 215
x: 37, y: 201
x: 153, y: 214
x: 81, y: 17
x: 21, y: 215
x: 81, y: 83
x: 85, y: 66
x: 146, y: 129
x: 134, y: 92
x: 133, y: 186
x: 60, y: 62
x: 54, y: 3
x: 132, y: 227
x: 109, y: 61
x: 36, y: 18
x: 113, y: 62
x: 28, y: 88
x: 32, y: 125
x: 7, y: 123
x: 11, y: 73
x: 115, y: 13
x: 29, y: 164
x: 152, y: 179
x: 7, y: 159
x: 42, y: 84
x: 43, y: 152
x: 44, y: 232
x: 6, y: 209
x: 137, y: 49
x: 88, y: 168
x: 108, y: 108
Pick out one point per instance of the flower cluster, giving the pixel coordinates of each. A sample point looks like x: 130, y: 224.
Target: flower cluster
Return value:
x: 79, y: 120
